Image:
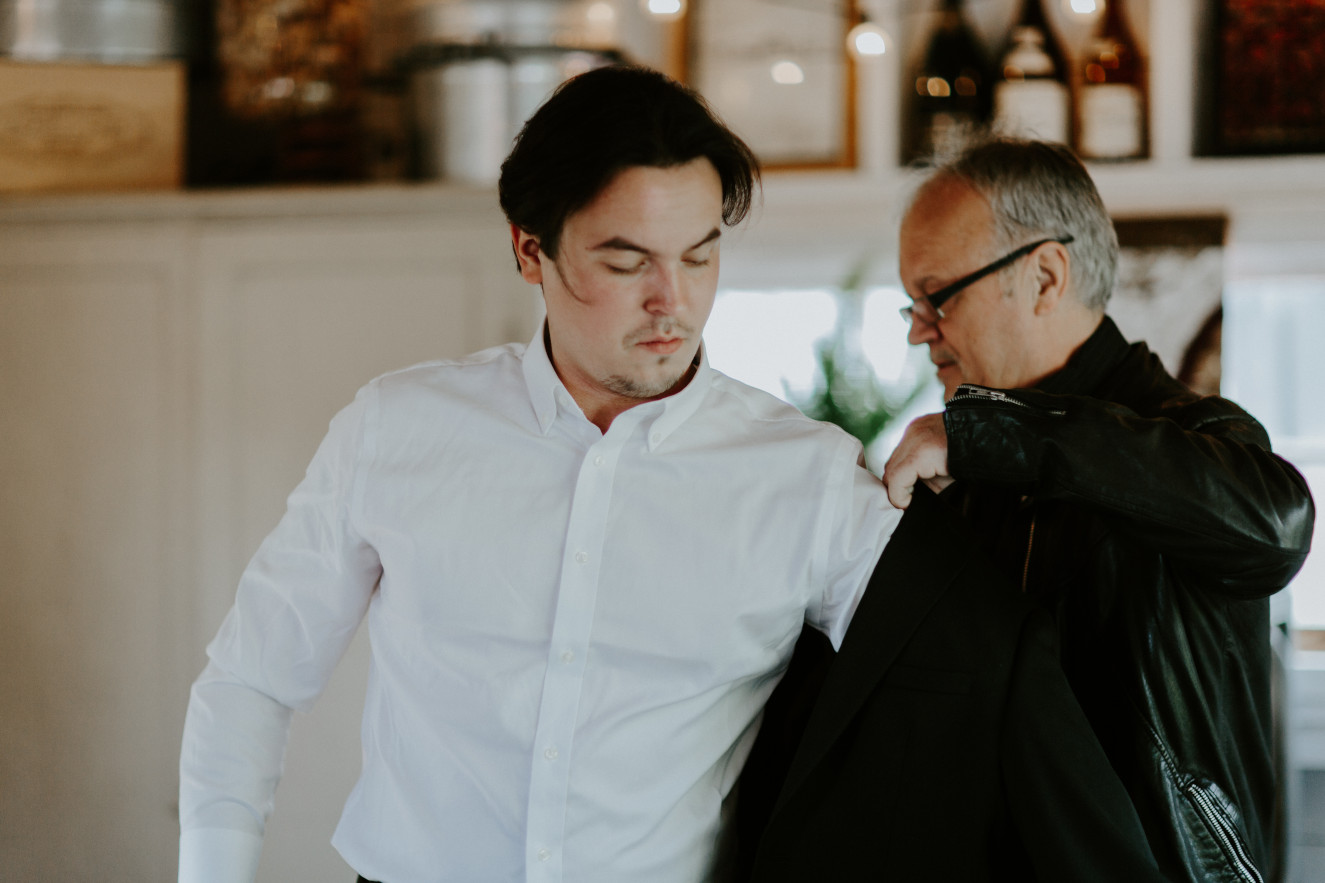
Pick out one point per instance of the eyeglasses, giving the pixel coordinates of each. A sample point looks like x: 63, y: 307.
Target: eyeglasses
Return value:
x: 928, y: 309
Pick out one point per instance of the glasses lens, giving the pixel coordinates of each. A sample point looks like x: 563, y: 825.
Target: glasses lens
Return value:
x: 920, y: 311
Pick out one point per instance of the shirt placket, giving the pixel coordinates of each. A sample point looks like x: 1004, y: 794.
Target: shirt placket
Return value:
x: 549, y: 781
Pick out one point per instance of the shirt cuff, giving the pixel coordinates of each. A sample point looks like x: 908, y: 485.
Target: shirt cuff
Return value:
x: 218, y: 855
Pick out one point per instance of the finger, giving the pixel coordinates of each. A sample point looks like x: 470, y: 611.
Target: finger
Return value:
x: 899, y: 490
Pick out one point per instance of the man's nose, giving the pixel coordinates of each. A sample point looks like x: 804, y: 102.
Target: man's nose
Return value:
x: 664, y: 291
x: 921, y: 332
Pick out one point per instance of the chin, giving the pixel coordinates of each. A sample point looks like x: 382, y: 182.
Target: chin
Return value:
x: 950, y: 385
x: 641, y: 387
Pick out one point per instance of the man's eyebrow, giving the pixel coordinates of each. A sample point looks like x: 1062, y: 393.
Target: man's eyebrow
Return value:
x: 618, y: 243
x: 712, y: 236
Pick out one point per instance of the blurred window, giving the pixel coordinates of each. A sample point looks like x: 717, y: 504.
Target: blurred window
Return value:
x: 1274, y: 366
x: 769, y: 339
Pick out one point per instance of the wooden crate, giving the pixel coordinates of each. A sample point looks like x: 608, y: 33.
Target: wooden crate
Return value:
x: 66, y: 127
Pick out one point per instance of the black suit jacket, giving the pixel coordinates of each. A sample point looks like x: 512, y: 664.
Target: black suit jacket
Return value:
x: 942, y: 743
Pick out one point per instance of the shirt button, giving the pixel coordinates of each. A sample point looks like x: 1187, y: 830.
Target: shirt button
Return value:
x: 544, y: 855
x: 581, y: 557
x: 550, y: 753
x: 655, y: 438
x: 568, y: 656
x: 599, y: 461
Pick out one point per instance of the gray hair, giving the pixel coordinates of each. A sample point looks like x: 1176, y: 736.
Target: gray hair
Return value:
x: 1038, y: 189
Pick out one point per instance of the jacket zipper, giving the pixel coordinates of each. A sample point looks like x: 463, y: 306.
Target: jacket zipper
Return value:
x: 969, y: 392
x: 1234, y: 852
x: 1228, y: 839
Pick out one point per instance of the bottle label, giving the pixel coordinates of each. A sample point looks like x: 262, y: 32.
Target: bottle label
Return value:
x: 1111, y: 121
x: 1032, y: 109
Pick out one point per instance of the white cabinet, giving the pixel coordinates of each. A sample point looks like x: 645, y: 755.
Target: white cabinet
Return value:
x: 167, y: 367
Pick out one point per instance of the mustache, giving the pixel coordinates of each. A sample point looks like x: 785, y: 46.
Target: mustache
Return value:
x: 667, y: 326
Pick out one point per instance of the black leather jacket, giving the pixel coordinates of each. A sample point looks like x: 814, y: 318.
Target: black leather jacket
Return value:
x: 1154, y: 523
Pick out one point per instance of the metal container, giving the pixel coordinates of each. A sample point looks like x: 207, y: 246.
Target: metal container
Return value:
x: 107, y: 31
x: 469, y: 103
x: 464, y: 112
x: 479, y: 69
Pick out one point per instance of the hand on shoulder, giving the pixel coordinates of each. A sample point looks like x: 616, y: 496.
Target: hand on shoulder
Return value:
x: 921, y: 455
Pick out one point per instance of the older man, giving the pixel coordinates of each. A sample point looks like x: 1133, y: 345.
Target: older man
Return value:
x: 1152, y: 523
x: 1063, y: 673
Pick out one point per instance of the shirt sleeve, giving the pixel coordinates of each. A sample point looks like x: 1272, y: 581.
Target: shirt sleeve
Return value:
x: 854, y: 525
x: 299, y: 603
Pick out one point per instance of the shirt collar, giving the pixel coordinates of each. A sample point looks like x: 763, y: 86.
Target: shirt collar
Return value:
x: 1093, y: 361
x: 547, y: 394
x: 542, y: 380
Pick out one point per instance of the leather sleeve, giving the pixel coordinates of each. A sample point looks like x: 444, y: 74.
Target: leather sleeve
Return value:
x: 1069, y: 807
x: 1197, y: 483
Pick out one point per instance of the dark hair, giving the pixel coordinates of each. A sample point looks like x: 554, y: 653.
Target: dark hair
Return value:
x: 603, y: 122
x: 1039, y: 188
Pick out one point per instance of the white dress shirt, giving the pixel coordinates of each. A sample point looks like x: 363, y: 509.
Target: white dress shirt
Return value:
x: 573, y: 632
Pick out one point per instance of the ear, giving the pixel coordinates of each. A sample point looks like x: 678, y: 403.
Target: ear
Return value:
x: 1051, y: 266
x: 528, y: 253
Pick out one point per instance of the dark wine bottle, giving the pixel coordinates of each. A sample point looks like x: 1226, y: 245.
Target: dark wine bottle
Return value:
x: 951, y: 89
x: 1112, y: 101
x: 1032, y: 97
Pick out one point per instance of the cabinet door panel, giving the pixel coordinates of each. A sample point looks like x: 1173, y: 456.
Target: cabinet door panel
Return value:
x: 91, y: 531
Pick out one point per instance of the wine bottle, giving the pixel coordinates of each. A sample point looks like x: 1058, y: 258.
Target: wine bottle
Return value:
x: 1031, y: 93
x: 1112, y: 102
x: 951, y: 87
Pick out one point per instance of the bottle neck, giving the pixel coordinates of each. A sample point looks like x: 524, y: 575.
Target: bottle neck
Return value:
x: 953, y: 24
x: 1032, y: 15
x: 1032, y: 20
x: 1114, y: 23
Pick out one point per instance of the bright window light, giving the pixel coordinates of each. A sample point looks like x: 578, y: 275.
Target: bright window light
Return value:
x: 867, y: 40
x: 1272, y: 359
x: 664, y: 9
x: 770, y: 340
x: 767, y: 338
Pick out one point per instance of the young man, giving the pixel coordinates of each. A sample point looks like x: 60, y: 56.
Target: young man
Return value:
x: 1152, y: 523
x: 583, y: 562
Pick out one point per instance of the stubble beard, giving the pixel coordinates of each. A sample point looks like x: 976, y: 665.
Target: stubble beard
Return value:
x: 633, y: 388
x: 638, y: 388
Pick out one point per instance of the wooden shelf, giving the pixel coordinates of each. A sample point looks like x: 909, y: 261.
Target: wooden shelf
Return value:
x: 809, y: 228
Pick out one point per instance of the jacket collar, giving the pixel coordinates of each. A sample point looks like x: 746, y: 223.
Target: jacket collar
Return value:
x: 1093, y: 361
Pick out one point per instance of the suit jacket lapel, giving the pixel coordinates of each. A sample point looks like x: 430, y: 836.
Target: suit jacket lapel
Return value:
x: 917, y: 566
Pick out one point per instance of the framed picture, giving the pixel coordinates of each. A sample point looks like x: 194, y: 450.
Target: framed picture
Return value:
x: 1268, y: 61
x: 1170, y: 291
x: 779, y: 75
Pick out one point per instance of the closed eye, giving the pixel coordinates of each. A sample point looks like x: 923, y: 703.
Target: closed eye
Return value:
x: 702, y: 257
